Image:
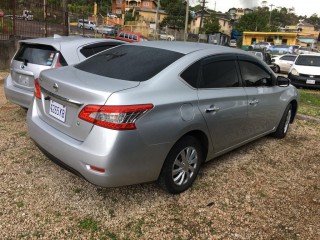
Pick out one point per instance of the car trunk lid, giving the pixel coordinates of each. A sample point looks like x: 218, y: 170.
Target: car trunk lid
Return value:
x: 64, y: 93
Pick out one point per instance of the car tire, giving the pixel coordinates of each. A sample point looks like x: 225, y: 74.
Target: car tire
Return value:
x: 250, y: 48
x: 181, y: 166
x: 277, y: 69
x: 283, y: 126
x: 169, y: 39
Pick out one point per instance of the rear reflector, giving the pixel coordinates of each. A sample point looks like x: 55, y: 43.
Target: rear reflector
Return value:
x: 114, y: 117
x: 37, y: 92
x: 96, y: 168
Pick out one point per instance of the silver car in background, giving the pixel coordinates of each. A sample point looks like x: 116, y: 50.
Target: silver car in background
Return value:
x: 36, y: 55
x: 155, y: 111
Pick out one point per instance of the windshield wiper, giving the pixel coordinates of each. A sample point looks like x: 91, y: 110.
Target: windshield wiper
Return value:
x: 24, y: 60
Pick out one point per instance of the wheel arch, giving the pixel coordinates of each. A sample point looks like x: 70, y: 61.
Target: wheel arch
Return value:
x: 294, y: 105
x: 202, y: 138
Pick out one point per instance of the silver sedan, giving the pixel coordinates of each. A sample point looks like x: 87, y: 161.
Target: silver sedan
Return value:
x: 156, y: 111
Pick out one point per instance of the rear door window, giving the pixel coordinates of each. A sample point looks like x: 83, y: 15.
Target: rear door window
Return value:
x: 36, y: 54
x: 288, y: 58
x: 219, y: 74
x: 127, y: 62
x: 192, y: 73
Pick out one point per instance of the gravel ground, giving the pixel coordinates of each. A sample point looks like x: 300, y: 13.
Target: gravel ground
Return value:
x: 268, y: 189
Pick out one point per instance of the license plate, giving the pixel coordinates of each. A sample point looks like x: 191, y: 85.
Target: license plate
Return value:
x: 57, y: 111
x: 311, y: 81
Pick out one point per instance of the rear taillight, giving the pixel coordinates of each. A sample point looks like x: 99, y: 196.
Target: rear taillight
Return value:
x: 37, y: 92
x: 57, y: 64
x: 114, y: 117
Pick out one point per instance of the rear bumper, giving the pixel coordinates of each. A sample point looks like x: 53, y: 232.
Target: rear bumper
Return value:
x: 126, y: 158
x: 300, y: 81
x: 17, y: 95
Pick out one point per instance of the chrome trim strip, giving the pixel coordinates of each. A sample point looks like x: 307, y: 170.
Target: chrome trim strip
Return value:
x: 60, y: 98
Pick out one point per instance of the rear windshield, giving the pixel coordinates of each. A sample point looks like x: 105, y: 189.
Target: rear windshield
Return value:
x: 36, y: 54
x: 308, y: 61
x: 132, y: 63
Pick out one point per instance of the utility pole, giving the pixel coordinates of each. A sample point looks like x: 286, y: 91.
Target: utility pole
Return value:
x: 157, y: 19
x: 271, y: 6
x: 65, y: 17
x: 202, y: 12
x: 186, y: 23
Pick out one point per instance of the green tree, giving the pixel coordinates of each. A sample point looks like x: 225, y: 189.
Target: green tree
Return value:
x: 196, y: 8
x: 255, y: 21
x: 176, y: 10
x: 314, y: 20
x: 211, y: 24
x: 282, y: 17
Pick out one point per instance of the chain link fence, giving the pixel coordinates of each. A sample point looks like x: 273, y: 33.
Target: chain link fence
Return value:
x: 30, y: 19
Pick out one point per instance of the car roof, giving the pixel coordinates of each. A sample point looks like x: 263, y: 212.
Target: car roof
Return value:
x: 67, y: 45
x: 125, y: 31
x: 188, y: 47
x: 57, y: 40
x: 310, y: 54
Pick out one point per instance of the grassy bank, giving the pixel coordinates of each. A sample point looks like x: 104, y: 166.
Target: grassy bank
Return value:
x: 309, y: 102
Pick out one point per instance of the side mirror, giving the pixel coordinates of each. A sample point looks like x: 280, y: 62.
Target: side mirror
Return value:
x: 283, y: 81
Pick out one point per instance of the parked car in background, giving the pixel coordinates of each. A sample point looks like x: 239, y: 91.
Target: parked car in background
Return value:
x: 112, y: 15
x: 131, y: 37
x: 85, y: 23
x: 27, y: 15
x: 233, y: 43
x: 260, y: 46
x: 307, y: 50
x: 284, y: 62
x: 266, y: 57
x: 305, y: 72
x: 156, y: 110
x: 166, y: 36
x: 295, y: 48
x: 280, y: 49
x: 106, y: 30
x: 35, y: 55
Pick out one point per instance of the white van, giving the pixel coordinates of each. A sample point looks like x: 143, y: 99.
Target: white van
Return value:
x: 86, y: 24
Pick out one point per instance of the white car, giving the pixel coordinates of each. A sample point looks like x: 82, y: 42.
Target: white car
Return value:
x: 307, y: 50
x: 106, y: 30
x: 305, y: 72
x: 166, y: 36
x: 284, y: 62
x: 85, y: 23
x: 233, y: 43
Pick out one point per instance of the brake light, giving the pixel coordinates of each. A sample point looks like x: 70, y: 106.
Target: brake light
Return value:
x: 114, y: 117
x: 37, y: 92
x: 57, y: 63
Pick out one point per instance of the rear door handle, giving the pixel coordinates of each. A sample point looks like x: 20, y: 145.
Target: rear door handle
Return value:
x: 212, y: 108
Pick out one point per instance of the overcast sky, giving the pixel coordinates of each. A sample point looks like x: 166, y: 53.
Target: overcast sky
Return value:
x: 302, y: 7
